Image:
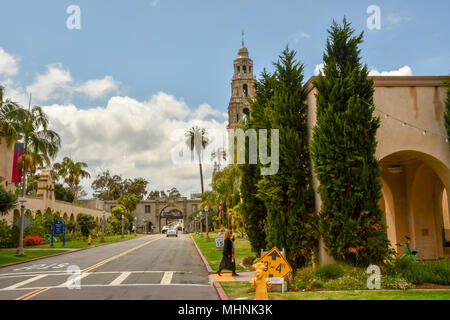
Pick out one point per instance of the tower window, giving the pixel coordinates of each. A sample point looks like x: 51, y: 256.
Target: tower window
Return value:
x: 244, y: 68
x: 237, y: 117
x: 245, y: 91
x: 250, y: 69
x: 238, y: 69
x: 247, y: 112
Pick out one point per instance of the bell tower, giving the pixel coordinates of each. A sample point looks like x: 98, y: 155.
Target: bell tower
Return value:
x: 241, y: 87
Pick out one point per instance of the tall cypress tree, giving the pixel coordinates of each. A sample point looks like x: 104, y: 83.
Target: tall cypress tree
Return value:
x: 253, y: 209
x: 447, y: 112
x: 343, y: 150
x: 288, y: 196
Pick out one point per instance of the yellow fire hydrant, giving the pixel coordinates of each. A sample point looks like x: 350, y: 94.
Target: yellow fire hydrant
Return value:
x: 260, y: 282
x: 89, y: 240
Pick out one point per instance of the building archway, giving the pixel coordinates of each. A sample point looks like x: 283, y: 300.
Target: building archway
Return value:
x: 170, y: 215
x: 413, y: 190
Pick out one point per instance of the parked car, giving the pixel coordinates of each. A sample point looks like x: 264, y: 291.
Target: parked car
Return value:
x: 164, y: 229
x: 172, y: 232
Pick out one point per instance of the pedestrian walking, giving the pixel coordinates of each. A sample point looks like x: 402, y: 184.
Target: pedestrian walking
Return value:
x: 228, y: 261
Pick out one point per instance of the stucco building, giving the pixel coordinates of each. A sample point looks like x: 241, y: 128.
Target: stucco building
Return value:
x: 412, y: 148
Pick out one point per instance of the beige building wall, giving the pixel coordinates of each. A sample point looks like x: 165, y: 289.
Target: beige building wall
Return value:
x: 415, y: 164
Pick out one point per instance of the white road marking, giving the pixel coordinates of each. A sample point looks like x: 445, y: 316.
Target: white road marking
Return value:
x: 71, y: 281
x: 15, y: 286
x: 167, y: 278
x: 121, y: 285
x: 120, y: 279
x: 59, y: 273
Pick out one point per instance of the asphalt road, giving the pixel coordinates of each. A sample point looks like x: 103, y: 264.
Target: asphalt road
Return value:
x: 149, y: 267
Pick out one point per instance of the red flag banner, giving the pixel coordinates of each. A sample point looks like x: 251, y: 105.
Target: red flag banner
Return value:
x: 17, y: 174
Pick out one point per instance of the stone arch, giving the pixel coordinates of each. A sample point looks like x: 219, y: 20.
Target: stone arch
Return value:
x: 65, y: 217
x: 38, y: 213
x: 72, y: 218
x: 413, y: 187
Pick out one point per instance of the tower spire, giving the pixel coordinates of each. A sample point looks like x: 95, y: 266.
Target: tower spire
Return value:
x: 242, y: 37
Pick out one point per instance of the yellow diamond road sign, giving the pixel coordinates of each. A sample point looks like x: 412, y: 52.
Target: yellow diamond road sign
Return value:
x: 275, y: 264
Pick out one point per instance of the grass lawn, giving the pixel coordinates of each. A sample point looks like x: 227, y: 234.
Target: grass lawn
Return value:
x: 243, y: 289
x: 7, y: 256
x: 76, y: 244
x: 242, y: 250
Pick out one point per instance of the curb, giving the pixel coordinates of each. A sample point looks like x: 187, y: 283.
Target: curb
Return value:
x: 60, y: 254
x: 216, y: 284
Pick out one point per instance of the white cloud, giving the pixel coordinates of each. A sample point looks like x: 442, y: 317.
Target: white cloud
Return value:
x: 57, y: 83
x: 8, y: 63
x: 98, y: 88
x: 403, y: 71
x: 153, y: 3
x: 52, y: 84
x: 135, y: 138
x: 301, y: 35
x: 318, y: 69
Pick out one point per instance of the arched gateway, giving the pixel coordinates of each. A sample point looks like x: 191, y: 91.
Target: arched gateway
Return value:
x: 171, y: 214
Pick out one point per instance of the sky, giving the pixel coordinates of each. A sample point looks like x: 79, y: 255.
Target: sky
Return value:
x: 122, y: 88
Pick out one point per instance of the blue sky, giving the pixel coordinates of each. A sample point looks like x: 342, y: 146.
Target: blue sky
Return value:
x: 139, y: 73
x: 186, y: 48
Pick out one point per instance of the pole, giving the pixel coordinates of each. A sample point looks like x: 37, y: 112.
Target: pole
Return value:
x: 123, y: 223
x: 103, y: 224
x: 20, y: 252
x: 23, y: 201
x: 207, y: 224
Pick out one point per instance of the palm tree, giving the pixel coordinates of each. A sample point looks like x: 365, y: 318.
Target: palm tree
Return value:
x: 9, y: 129
x: 40, y: 145
x: 197, y: 140
x: 227, y: 185
x: 72, y: 173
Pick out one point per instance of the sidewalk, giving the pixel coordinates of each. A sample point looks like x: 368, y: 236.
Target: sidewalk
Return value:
x: 225, y: 276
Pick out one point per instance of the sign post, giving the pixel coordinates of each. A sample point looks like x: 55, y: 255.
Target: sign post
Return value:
x: 59, y: 227
x: 219, y: 243
x: 276, y: 266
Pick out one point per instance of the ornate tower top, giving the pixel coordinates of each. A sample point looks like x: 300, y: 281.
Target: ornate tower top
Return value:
x: 241, y: 87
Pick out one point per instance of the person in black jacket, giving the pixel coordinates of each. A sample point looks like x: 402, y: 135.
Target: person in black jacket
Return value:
x: 228, y: 255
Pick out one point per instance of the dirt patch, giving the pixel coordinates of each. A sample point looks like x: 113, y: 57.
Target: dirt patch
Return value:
x: 431, y: 286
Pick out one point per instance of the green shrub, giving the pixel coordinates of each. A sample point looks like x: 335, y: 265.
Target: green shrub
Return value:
x: 437, y: 272
x: 353, y: 281
x: 330, y: 271
x: 395, y: 282
x: 9, y: 235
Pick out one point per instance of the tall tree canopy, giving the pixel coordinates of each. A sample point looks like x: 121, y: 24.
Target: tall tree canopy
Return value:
x: 291, y: 222
x: 343, y: 149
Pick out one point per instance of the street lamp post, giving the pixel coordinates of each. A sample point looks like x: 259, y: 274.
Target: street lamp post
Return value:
x: 135, y: 225
x: 103, y: 224
x: 207, y: 224
x: 23, y: 202
x: 123, y: 224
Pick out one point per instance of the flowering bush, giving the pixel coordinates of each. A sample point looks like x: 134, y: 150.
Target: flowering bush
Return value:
x: 33, y: 240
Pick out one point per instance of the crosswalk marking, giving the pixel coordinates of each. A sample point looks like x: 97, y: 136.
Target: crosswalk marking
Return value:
x: 14, y: 286
x: 167, y: 278
x: 120, y: 279
x: 74, y: 280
